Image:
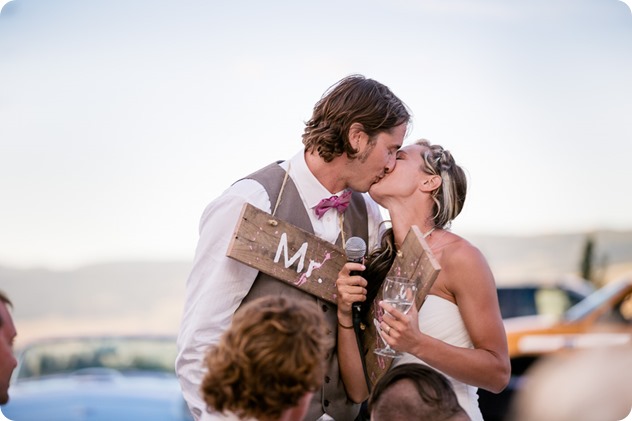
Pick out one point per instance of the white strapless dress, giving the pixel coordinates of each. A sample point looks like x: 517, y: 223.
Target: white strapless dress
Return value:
x: 441, y: 319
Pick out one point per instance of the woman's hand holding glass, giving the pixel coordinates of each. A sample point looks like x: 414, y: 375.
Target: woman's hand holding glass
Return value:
x: 398, y: 297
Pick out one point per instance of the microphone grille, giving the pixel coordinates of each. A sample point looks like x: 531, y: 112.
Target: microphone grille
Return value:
x: 355, y: 248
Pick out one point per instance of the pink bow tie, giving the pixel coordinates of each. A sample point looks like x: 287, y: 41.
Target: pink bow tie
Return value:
x: 339, y: 203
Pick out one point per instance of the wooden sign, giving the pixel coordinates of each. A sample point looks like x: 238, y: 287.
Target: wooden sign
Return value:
x: 292, y: 255
x: 286, y: 252
x: 414, y: 261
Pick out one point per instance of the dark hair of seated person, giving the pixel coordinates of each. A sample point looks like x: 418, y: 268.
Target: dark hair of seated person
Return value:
x: 414, y: 392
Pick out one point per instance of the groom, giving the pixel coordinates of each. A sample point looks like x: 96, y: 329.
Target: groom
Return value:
x: 350, y: 142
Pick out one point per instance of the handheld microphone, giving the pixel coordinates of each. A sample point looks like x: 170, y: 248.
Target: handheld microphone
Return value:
x: 355, y: 249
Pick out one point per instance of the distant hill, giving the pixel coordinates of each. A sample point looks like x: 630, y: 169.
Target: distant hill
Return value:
x: 148, y: 296
x: 106, y: 298
x: 546, y: 257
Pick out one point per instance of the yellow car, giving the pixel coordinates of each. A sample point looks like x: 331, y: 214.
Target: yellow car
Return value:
x: 603, y: 318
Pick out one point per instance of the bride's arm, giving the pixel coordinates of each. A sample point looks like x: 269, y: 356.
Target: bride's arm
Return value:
x: 466, y: 275
x: 351, y: 289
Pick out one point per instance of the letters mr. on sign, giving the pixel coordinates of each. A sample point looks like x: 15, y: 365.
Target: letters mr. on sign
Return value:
x: 294, y: 256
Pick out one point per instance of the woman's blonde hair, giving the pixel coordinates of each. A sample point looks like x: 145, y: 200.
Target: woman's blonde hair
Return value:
x: 449, y: 197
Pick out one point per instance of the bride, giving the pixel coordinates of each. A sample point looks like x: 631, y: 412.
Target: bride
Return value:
x: 458, y: 330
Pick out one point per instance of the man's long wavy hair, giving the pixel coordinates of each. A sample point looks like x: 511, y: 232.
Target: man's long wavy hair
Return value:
x: 354, y: 99
x: 270, y: 357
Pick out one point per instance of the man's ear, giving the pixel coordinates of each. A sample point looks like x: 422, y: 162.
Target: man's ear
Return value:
x: 430, y: 183
x: 357, y: 136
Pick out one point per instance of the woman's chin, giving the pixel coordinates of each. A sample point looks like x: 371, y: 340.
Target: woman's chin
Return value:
x: 374, y: 192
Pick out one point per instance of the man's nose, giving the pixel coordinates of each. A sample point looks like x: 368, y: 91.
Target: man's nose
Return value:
x: 390, y: 166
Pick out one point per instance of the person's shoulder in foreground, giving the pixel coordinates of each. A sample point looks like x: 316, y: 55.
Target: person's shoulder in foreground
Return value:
x: 414, y: 392
x: 268, y: 363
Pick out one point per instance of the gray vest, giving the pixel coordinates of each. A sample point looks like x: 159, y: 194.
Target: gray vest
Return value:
x: 331, y: 397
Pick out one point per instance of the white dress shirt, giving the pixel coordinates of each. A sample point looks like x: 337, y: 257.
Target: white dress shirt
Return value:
x: 218, y: 284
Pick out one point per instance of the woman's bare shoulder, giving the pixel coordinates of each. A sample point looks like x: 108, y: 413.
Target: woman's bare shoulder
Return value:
x: 459, y: 254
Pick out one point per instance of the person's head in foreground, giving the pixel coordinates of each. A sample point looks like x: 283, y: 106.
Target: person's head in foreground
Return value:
x: 584, y: 384
x: 414, y: 392
x: 7, y: 359
x: 269, y: 362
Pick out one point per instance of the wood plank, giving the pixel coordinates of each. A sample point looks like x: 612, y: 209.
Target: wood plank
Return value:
x: 415, y: 261
x: 286, y: 252
x: 305, y: 261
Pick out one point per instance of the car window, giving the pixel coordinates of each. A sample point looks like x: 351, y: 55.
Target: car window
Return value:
x: 121, y: 354
x: 620, y: 313
x: 516, y: 302
x: 551, y: 301
x: 588, y: 305
x: 625, y: 308
x: 536, y: 300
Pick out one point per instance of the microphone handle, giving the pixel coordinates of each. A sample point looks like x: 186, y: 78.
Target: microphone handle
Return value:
x: 356, y: 307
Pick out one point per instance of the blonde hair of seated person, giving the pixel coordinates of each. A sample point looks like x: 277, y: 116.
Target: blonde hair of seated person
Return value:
x: 268, y: 363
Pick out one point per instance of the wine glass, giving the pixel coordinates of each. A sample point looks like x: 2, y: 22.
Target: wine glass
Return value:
x: 400, y: 293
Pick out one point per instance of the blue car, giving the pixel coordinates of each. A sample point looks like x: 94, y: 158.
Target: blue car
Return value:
x: 103, y: 378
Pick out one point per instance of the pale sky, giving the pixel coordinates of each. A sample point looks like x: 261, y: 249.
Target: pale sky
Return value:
x: 120, y: 120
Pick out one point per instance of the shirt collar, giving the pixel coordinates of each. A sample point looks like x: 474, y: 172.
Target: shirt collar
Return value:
x: 307, y: 184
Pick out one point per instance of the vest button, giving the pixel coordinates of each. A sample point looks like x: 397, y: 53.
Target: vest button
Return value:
x: 327, y: 379
x: 325, y: 308
x: 326, y: 403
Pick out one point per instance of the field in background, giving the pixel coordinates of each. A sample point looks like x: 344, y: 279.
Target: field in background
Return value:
x: 132, y: 297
